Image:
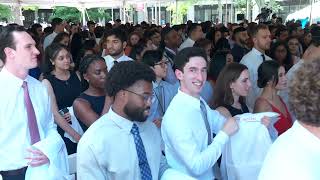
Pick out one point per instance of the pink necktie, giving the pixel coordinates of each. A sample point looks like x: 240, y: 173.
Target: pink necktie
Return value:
x: 32, y: 120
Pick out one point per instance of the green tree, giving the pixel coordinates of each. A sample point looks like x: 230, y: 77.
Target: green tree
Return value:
x: 66, y: 13
x: 180, y: 10
x: 5, y: 13
x: 97, y: 14
x: 274, y: 6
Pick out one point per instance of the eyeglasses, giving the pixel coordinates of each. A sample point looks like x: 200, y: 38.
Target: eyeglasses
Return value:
x: 146, y: 98
x: 162, y: 63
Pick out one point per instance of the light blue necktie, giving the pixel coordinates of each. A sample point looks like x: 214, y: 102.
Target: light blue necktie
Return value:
x: 143, y: 161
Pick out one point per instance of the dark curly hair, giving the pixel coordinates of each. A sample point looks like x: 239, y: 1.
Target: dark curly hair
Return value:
x: 124, y: 74
x: 84, y: 65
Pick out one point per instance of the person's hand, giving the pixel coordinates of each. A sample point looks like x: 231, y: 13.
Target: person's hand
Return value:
x: 67, y: 117
x: 265, y: 121
x: 76, y: 137
x: 230, y: 126
x: 157, y: 122
x: 36, y: 157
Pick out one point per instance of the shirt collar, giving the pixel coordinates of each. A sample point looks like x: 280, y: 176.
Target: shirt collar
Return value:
x: 256, y: 51
x: 189, y: 39
x: 155, y: 84
x: 170, y: 50
x: 14, y: 79
x: 195, y: 102
x: 306, y: 133
x: 124, y: 123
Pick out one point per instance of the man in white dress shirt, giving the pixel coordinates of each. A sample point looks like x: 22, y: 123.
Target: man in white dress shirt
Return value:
x: 194, y: 33
x: 30, y: 144
x: 116, y: 43
x: 58, y: 26
x: 189, y: 123
x: 262, y: 39
x: 109, y: 149
x: 296, y: 153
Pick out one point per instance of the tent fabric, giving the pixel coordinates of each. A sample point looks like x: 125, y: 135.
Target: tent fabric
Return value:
x: 79, y: 3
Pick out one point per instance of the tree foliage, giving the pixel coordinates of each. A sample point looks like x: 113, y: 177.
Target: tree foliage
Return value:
x: 97, y: 14
x: 5, y: 13
x: 66, y: 13
x: 181, y: 11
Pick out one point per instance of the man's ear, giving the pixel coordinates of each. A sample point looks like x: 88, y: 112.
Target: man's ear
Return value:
x: 179, y: 74
x: 9, y: 52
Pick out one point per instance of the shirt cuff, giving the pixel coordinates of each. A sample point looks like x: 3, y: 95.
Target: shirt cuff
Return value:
x: 221, y: 137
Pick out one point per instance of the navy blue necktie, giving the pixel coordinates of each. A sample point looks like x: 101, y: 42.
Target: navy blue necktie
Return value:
x: 263, y: 58
x: 143, y: 161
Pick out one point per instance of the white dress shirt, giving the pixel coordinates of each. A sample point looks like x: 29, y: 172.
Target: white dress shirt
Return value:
x: 110, y: 60
x: 186, y: 139
x: 187, y: 43
x: 48, y: 40
x: 253, y: 60
x: 14, y: 132
x: 294, y: 155
x: 107, y: 149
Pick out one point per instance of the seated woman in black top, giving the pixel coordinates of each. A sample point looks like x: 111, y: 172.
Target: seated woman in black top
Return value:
x: 63, y: 87
x: 89, y: 105
x: 232, y: 85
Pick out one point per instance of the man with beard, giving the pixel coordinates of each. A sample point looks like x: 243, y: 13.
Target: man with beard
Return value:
x: 240, y: 49
x: 122, y: 145
x: 261, y: 40
x: 116, y: 43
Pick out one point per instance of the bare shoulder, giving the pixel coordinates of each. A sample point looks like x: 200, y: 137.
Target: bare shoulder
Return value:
x: 261, y: 105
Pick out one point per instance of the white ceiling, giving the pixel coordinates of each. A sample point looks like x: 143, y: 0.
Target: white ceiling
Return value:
x: 79, y: 3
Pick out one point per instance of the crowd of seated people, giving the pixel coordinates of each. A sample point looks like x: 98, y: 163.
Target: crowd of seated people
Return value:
x: 210, y: 73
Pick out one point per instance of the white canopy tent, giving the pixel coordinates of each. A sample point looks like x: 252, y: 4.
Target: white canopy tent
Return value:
x: 311, y: 12
x: 80, y: 4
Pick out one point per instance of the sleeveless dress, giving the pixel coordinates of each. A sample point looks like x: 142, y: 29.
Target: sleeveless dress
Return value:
x: 96, y: 104
x: 65, y: 91
x: 234, y: 111
x: 285, y: 121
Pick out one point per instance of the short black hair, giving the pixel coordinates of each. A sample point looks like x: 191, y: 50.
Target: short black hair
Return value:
x: 118, y: 33
x: 192, y: 27
x: 238, y: 30
x: 55, y: 22
x: 151, y: 57
x: 125, y: 74
x: 280, y: 29
x: 183, y: 57
x: 90, y: 23
x: 60, y: 37
x: 268, y: 71
x: 7, y: 39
